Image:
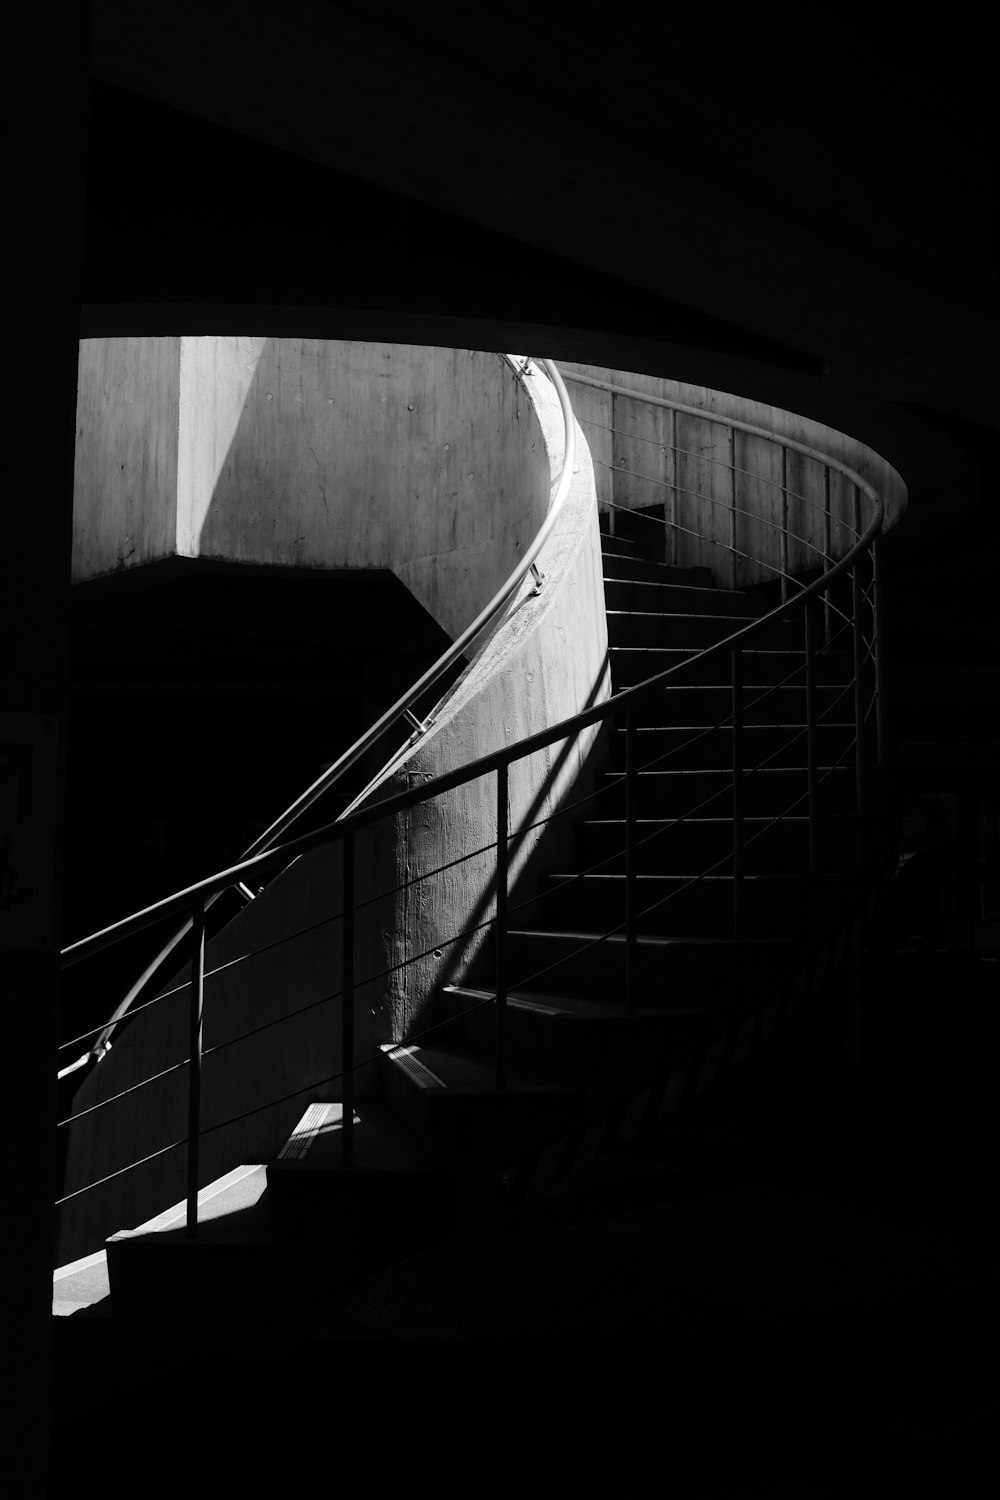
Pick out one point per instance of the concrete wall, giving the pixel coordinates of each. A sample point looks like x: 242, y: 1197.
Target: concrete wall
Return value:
x: 125, y: 481
x: 310, y: 453
x: 355, y: 455
x: 636, y: 468
x: 546, y: 660
x: 271, y: 1007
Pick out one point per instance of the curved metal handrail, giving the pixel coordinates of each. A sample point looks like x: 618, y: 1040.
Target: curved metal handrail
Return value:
x: 723, y: 421
x: 197, y: 897
x: 259, y: 859
x: 284, y: 854
x: 401, y: 709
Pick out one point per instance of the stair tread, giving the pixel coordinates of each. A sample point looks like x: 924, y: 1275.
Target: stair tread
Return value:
x: 792, y: 770
x: 679, y: 614
x: 381, y: 1141
x: 747, y: 728
x: 697, y: 650
x: 648, y: 939
x: 751, y: 877
x: 576, y: 1007
x: 643, y: 557
x: 441, y: 1068
x: 688, y: 588
x: 238, y: 1192
x: 693, y: 818
x: 766, y: 689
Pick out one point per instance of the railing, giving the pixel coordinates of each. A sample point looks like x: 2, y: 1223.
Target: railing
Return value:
x: 847, y: 593
x: 400, y: 710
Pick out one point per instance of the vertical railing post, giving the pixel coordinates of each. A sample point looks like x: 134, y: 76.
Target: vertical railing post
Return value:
x: 859, y: 686
x: 811, y: 768
x: 732, y: 506
x: 196, y: 1014
x: 500, y: 935
x: 827, y: 545
x: 881, y: 729
x: 738, y: 793
x: 347, y: 1007
x: 784, y: 523
x: 631, y: 860
x: 671, y: 556
x: 612, y: 484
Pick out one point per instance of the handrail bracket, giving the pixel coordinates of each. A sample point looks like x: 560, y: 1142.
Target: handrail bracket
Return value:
x: 419, y: 726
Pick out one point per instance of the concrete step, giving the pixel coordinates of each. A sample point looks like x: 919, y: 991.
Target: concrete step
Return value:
x: 668, y: 846
x: 705, y: 704
x: 643, y: 531
x: 631, y: 565
x: 619, y: 546
x: 450, y: 1099
x: 218, y: 1284
x: 623, y: 591
x: 675, y: 629
x: 761, y: 666
x: 387, y: 1202
x: 769, y: 791
x: 688, y: 747
x: 785, y: 906
x: 81, y: 1285
x: 720, y: 976
x: 587, y: 1043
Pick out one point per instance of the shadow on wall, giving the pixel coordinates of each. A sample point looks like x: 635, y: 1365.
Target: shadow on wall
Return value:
x: 272, y: 1020
x: 307, y: 453
x: 461, y: 955
x: 272, y: 1013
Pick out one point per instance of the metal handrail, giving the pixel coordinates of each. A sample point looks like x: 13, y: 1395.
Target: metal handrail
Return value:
x: 702, y: 458
x: 283, y: 854
x: 722, y: 421
x: 196, y: 898
x: 400, y: 709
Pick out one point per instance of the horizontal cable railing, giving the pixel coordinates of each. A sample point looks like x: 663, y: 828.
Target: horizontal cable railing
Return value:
x: 402, y: 709
x: 707, y: 458
x: 629, y: 708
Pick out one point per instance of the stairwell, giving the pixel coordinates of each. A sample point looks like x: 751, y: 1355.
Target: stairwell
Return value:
x: 587, y: 1068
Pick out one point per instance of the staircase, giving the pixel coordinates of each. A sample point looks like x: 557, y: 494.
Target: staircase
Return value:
x: 586, y: 1065
x: 577, y: 1055
x: 725, y: 855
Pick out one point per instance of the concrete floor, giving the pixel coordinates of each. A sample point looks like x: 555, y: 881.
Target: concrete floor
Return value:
x: 789, y: 1290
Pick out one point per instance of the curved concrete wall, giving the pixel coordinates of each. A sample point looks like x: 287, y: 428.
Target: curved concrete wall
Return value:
x: 546, y: 660
x: 636, y: 468
x: 309, y: 453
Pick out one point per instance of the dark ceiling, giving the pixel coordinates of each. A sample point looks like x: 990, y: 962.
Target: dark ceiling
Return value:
x: 810, y: 218
x: 805, y: 217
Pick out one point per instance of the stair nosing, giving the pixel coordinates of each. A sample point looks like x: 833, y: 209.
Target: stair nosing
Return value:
x: 520, y: 1079
x: 654, y: 940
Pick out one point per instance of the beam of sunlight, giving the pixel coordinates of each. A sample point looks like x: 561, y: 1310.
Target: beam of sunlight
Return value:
x: 213, y: 394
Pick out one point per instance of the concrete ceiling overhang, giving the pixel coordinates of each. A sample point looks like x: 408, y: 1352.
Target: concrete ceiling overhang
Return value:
x: 814, y: 226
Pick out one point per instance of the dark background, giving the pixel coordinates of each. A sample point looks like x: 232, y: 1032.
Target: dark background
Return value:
x: 803, y: 210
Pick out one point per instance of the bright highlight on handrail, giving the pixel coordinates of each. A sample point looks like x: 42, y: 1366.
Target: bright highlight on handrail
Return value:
x: 401, y: 709
x: 627, y: 705
x: 269, y: 860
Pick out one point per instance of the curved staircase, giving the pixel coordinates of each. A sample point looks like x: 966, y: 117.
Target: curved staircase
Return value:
x: 585, y: 1069
x: 725, y: 861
